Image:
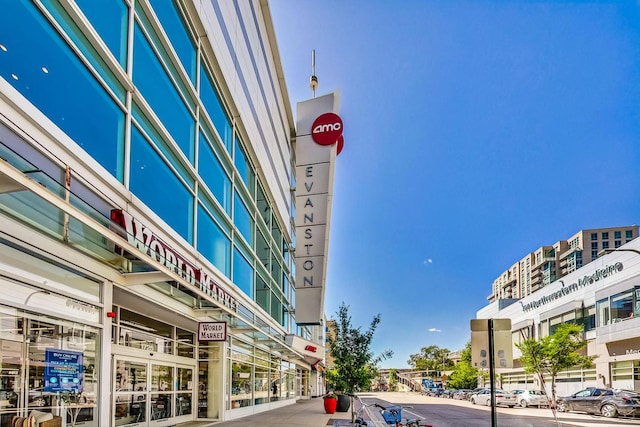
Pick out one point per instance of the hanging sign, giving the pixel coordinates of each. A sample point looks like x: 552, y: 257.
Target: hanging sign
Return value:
x: 212, y: 331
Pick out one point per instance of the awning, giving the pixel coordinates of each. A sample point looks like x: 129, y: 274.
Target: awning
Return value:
x: 313, y: 352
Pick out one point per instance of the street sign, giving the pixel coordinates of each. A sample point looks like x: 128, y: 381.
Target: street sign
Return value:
x: 502, y: 344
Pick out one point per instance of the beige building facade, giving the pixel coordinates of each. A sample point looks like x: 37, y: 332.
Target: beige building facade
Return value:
x: 547, y: 264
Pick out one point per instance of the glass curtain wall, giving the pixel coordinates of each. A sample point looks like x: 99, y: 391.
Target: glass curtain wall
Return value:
x: 181, y: 135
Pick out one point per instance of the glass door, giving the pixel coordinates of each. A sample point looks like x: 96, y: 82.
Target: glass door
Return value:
x: 152, y: 393
x: 131, y: 399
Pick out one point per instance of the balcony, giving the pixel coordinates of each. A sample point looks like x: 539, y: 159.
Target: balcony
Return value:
x: 544, y: 260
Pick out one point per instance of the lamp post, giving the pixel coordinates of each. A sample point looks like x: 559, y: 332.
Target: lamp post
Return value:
x: 609, y: 250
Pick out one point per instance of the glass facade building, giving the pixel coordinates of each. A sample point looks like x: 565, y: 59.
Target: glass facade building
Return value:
x: 145, y: 188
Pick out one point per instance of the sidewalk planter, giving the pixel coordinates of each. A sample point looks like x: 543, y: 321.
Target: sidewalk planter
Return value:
x: 344, y: 402
x: 330, y: 404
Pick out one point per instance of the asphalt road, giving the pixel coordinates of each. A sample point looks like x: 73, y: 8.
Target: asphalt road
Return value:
x: 442, y: 412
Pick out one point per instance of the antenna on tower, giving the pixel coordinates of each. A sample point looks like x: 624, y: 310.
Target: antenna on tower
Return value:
x: 314, y: 80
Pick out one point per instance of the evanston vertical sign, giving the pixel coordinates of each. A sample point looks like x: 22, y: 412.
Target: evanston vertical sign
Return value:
x: 319, y: 131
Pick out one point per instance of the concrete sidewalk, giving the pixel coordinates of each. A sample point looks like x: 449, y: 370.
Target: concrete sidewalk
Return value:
x: 303, y: 413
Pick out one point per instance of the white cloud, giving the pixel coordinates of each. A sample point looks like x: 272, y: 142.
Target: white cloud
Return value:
x: 434, y: 330
x: 427, y: 261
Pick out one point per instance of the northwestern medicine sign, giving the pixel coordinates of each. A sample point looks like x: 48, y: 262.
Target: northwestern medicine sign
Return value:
x: 589, y: 279
x: 319, y: 138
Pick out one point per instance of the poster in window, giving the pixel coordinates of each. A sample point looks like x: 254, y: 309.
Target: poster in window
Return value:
x: 63, y: 371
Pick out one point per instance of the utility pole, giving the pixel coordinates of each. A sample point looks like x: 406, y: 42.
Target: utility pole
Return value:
x: 492, y: 377
x: 484, y: 348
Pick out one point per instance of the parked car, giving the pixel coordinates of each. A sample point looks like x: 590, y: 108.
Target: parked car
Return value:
x: 448, y: 393
x: 461, y: 394
x: 435, y: 391
x: 474, y: 392
x: 531, y: 398
x: 503, y: 397
x: 608, y: 402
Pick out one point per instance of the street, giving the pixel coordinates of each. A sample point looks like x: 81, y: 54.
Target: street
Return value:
x: 443, y: 412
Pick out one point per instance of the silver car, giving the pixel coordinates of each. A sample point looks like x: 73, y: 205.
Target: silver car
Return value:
x: 526, y: 398
x: 503, y: 397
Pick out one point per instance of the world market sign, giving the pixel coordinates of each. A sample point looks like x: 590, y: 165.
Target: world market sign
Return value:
x: 147, y: 242
x: 599, y: 274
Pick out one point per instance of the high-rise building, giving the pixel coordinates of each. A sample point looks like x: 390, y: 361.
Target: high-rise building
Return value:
x: 549, y: 263
x: 147, y: 215
x: 601, y: 297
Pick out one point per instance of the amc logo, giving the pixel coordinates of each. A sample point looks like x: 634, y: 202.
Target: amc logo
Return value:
x: 326, y: 129
x: 310, y: 348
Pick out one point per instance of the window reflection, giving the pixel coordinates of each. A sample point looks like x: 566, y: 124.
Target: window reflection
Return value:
x: 155, y: 85
x: 147, y: 167
x: 42, y: 67
x: 178, y: 35
x: 213, y: 243
x: 109, y: 18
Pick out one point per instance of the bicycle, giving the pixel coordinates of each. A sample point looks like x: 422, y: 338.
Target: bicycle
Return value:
x: 413, y: 422
x: 394, y: 414
x: 358, y: 420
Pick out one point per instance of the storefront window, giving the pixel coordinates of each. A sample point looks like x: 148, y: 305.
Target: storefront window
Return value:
x: 275, y: 379
x: 209, y: 379
x: 30, y: 383
x: 240, y: 385
x: 261, y: 385
x: 184, y: 343
x: 148, y: 334
x: 288, y: 380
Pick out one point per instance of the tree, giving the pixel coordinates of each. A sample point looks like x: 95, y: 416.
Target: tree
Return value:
x: 393, y: 379
x: 554, y: 353
x: 431, y: 358
x: 464, y: 375
x: 354, y: 362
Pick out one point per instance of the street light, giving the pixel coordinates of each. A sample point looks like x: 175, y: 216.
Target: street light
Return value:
x: 609, y: 250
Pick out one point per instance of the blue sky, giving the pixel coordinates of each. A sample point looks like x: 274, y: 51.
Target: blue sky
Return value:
x: 475, y: 132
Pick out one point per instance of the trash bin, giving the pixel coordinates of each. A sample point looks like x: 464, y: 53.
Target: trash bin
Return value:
x: 392, y: 415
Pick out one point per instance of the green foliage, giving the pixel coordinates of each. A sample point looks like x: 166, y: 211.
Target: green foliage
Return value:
x: 431, y: 358
x: 555, y: 353
x: 393, y: 379
x: 354, y: 362
x: 464, y: 375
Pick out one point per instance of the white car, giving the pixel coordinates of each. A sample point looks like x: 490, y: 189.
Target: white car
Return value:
x: 503, y: 397
x: 531, y: 398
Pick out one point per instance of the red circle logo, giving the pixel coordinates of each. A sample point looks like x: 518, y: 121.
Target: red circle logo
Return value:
x: 326, y: 129
x: 340, y: 145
